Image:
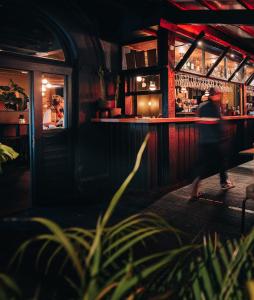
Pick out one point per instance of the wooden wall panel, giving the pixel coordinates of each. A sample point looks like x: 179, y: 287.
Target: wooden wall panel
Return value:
x: 171, y: 154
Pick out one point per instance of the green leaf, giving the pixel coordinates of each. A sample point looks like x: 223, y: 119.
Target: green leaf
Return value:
x: 64, y: 240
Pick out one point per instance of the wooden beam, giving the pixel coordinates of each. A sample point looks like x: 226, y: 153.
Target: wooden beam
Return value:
x: 246, y: 4
x: 219, y: 59
x: 250, y: 79
x: 209, y: 16
x: 242, y: 63
x: 207, y: 4
x: 189, y: 51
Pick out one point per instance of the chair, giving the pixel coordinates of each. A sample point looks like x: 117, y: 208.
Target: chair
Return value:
x: 249, y: 196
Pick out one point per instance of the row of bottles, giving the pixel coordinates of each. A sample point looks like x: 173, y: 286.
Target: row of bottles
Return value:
x: 231, y: 111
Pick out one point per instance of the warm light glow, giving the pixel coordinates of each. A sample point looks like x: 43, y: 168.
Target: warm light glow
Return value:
x: 182, y: 50
x: 200, y: 43
x: 43, y: 94
x: 152, y: 86
x: 232, y: 55
x: 150, y: 103
x: 44, y: 81
x: 49, y: 85
x: 43, y: 88
x: 24, y: 72
x: 139, y: 78
x: 143, y: 84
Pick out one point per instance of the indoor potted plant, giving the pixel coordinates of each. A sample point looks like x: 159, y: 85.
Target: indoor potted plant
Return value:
x: 13, y: 96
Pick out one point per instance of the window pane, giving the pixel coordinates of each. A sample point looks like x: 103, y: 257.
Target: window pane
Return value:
x: 53, y: 101
x: 139, y: 55
x: 195, y: 62
x: 233, y: 62
x: 149, y: 105
x: 181, y: 48
x: 145, y: 83
x: 248, y: 71
x: 220, y: 70
x: 14, y: 91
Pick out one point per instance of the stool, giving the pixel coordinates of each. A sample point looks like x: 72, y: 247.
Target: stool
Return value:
x: 249, y: 196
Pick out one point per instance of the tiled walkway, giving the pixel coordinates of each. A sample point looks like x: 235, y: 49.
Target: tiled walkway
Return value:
x: 218, y: 211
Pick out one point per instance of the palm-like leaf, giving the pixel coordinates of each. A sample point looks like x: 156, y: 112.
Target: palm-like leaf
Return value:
x: 6, y: 153
x: 94, y: 254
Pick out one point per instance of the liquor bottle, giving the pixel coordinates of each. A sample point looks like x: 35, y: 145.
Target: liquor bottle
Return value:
x: 53, y: 114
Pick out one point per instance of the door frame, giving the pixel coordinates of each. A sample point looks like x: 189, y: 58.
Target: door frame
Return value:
x: 35, y: 70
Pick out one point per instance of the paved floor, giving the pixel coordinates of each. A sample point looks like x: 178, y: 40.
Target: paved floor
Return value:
x: 217, y: 212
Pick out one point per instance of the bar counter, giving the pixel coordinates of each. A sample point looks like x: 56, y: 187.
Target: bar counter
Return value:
x: 164, y: 120
x: 172, y: 150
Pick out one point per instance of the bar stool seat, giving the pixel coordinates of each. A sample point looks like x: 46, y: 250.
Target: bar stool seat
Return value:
x: 249, y: 196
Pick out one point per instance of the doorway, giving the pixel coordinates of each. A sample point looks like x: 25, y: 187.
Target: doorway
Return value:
x: 15, y: 177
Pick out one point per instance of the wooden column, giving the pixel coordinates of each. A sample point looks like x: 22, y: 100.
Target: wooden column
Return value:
x: 171, y: 75
x: 166, y: 60
x: 243, y: 106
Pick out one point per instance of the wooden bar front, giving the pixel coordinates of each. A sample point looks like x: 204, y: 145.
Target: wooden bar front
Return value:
x: 172, y: 150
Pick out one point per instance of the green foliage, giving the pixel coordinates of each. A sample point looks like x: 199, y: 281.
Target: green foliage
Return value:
x: 6, y: 153
x: 108, y: 262
x: 103, y: 259
x: 13, y: 96
x: 8, y: 288
x: 219, y: 272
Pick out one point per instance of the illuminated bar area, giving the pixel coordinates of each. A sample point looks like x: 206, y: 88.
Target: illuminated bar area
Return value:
x: 164, y: 78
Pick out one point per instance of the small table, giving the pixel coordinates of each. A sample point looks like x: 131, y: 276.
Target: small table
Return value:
x: 249, y: 151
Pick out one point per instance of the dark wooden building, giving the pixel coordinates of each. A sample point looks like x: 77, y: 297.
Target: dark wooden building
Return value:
x: 96, y: 76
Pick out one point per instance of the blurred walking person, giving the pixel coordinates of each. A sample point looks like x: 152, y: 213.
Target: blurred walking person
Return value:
x: 211, y: 140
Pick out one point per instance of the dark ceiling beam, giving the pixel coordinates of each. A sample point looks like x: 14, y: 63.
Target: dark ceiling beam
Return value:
x: 207, y: 4
x: 189, y: 51
x: 240, y: 66
x: 210, y: 6
x: 210, y: 16
x: 211, y: 34
x: 246, y: 4
x: 250, y: 79
x: 219, y: 59
x: 177, y: 5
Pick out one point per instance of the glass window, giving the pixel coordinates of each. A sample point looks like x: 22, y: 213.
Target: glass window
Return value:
x: 248, y: 71
x: 195, y: 62
x: 145, y: 83
x: 210, y: 59
x: 233, y: 62
x: 239, y: 76
x: 139, y: 55
x: 53, y: 101
x: 220, y: 70
x: 14, y: 91
x: 149, y: 105
x: 181, y: 47
x: 22, y: 33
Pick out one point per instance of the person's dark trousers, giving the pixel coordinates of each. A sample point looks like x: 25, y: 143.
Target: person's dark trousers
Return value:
x: 211, y: 159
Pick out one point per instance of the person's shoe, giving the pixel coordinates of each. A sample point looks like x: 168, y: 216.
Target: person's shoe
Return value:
x: 195, y: 198
x: 227, y: 185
